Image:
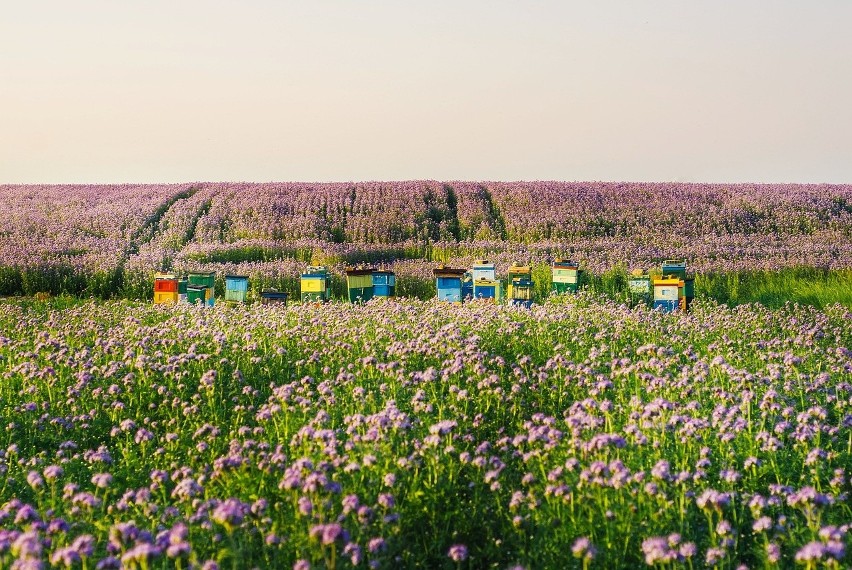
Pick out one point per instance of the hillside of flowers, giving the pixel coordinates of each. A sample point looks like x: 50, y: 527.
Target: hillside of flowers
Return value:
x: 415, y: 434
x: 107, y: 241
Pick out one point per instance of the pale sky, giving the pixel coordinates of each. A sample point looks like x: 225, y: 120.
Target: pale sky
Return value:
x: 256, y: 90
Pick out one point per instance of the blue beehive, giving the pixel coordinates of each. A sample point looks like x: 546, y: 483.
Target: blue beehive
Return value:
x: 448, y: 283
x: 467, y: 286
x: 236, y: 288
x: 384, y: 283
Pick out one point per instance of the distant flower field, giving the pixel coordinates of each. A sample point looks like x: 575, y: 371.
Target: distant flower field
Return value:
x: 107, y: 241
x: 415, y: 434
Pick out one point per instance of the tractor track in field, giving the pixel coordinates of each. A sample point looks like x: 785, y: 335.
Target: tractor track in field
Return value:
x: 150, y: 227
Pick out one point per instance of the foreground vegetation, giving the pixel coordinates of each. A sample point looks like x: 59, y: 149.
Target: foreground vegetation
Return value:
x: 415, y: 434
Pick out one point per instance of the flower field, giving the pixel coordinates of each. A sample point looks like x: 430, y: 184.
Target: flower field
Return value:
x: 106, y: 241
x: 414, y: 434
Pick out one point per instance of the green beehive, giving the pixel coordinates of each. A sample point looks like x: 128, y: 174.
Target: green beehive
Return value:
x: 566, y: 276
x: 688, y: 292
x: 202, y: 279
x: 674, y: 268
x: 236, y: 288
x: 182, y: 284
x: 359, y: 284
x: 316, y: 284
x: 196, y: 294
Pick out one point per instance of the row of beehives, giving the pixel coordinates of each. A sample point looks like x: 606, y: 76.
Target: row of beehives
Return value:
x: 481, y: 282
x: 315, y: 283
x: 672, y: 291
x: 199, y: 288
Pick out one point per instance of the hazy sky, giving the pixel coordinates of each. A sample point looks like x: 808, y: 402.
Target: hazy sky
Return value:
x: 255, y: 90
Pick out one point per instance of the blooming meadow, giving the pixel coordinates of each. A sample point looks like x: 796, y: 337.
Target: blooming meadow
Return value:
x: 580, y: 433
x: 107, y: 241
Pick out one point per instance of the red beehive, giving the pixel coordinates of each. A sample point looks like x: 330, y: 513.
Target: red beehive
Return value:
x: 165, y: 283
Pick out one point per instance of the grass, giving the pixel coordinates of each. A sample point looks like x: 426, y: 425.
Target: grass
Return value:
x: 803, y: 285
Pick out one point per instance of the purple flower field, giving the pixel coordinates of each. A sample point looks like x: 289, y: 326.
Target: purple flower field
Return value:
x: 106, y: 241
x: 581, y: 433
x: 412, y: 434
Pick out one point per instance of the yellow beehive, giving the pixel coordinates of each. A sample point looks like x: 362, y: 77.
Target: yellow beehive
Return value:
x: 165, y: 297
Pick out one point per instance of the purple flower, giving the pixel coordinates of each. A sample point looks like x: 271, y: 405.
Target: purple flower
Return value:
x: 329, y: 533
x: 354, y: 552
x: 457, y: 552
x: 101, y: 480
x: 34, y: 479
x: 65, y: 556
x: 811, y: 552
x: 657, y: 550
x: 27, y: 545
x: 108, y: 563
x: 305, y: 506
x: 583, y: 548
x: 84, y: 544
x: 376, y: 545
x: 386, y: 500
x: 53, y: 472
x: 773, y: 553
x: 230, y: 513
x: 141, y: 553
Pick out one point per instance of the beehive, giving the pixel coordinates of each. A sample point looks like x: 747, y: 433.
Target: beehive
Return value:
x: 165, y: 283
x: 448, y: 283
x: 236, y: 288
x: 271, y: 297
x: 688, y: 292
x: 315, y: 284
x: 487, y: 289
x: 467, y: 286
x: 165, y: 288
x: 520, y: 285
x: 566, y: 276
x: 196, y: 294
x: 359, y: 284
x: 384, y: 283
x: 639, y: 287
x: 674, y: 268
x: 165, y: 297
x: 667, y: 294
x: 202, y: 279
x: 483, y: 269
x: 182, y: 284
